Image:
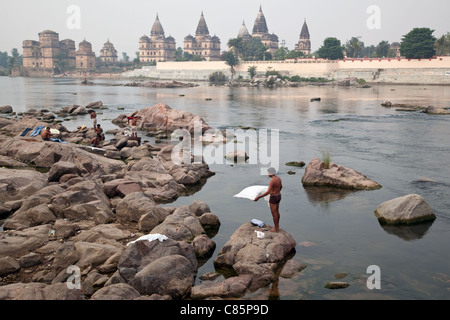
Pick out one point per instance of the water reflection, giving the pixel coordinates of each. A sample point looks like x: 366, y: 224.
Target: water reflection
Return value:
x: 408, y: 232
x: 325, y: 195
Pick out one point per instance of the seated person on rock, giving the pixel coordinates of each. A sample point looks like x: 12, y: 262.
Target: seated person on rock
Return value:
x: 46, y: 134
x: 95, y: 142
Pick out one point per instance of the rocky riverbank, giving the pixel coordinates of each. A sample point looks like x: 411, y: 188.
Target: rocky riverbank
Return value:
x: 88, y: 223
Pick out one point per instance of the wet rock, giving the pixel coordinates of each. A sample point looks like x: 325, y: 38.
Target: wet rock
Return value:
x: 233, y: 287
x: 292, y: 268
x: 336, y: 176
x: 6, y: 109
x: 95, y: 105
x: 409, y: 209
x: 337, y: 285
x: 237, y: 156
x: 298, y: 164
x: 436, y: 110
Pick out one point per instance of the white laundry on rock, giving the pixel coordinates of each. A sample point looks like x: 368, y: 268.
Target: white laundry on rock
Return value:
x: 150, y: 238
x: 252, y: 192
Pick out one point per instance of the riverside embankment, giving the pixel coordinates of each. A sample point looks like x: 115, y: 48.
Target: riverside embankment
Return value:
x: 389, y: 71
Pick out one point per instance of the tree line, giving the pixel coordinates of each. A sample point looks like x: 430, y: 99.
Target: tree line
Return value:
x: 8, y: 62
x: 418, y: 43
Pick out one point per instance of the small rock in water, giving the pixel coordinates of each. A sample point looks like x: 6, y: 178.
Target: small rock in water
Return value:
x: 336, y: 285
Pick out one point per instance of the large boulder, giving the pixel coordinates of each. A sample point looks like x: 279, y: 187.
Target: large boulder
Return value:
x: 61, y: 168
x: 256, y: 251
x: 34, y: 209
x: 19, y: 184
x: 317, y: 174
x: 163, y: 267
x: 409, y: 209
x: 169, y: 275
x: 133, y: 206
x: 82, y: 201
x: 161, y: 116
x: 6, y: 109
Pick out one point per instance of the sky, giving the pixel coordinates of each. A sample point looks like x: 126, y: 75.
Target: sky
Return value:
x: 124, y: 22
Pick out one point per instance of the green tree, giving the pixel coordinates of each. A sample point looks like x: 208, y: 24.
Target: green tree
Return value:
x: 61, y: 61
x: 217, y: 77
x: 3, y: 59
x: 368, y: 51
x: 443, y: 45
x: 125, y: 57
x: 137, y: 60
x: 419, y: 43
x: 294, y: 54
x: 252, y: 71
x: 251, y: 50
x: 281, y: 53
x: 15, y: 60
x: 179, y: 54
x: 354, y: 47
x: 254, y: 49
x: 236, y: 45
x: 382, y: 50
x: 331, y: 49
x: 230, y: 59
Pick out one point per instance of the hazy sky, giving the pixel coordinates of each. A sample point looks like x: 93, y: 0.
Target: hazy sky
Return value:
x: 124, y: 22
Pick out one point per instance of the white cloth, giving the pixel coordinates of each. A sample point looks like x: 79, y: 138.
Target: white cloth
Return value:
x: 252, y: 192
x: 260, y: 235
x: 150, y: 238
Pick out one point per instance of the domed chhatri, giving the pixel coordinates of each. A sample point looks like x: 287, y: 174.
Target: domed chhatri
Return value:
x: 156, y: 47
x: 203, y: 45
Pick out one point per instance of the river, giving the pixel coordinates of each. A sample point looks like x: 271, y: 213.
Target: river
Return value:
x: 337, y: 233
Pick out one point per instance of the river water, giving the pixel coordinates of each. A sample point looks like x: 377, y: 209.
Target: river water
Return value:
x: 337, y: 233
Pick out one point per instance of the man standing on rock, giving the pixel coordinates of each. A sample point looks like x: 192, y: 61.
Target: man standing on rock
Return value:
x: 94, y: 119
x: 134, y: 120
x: 274, y: 190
